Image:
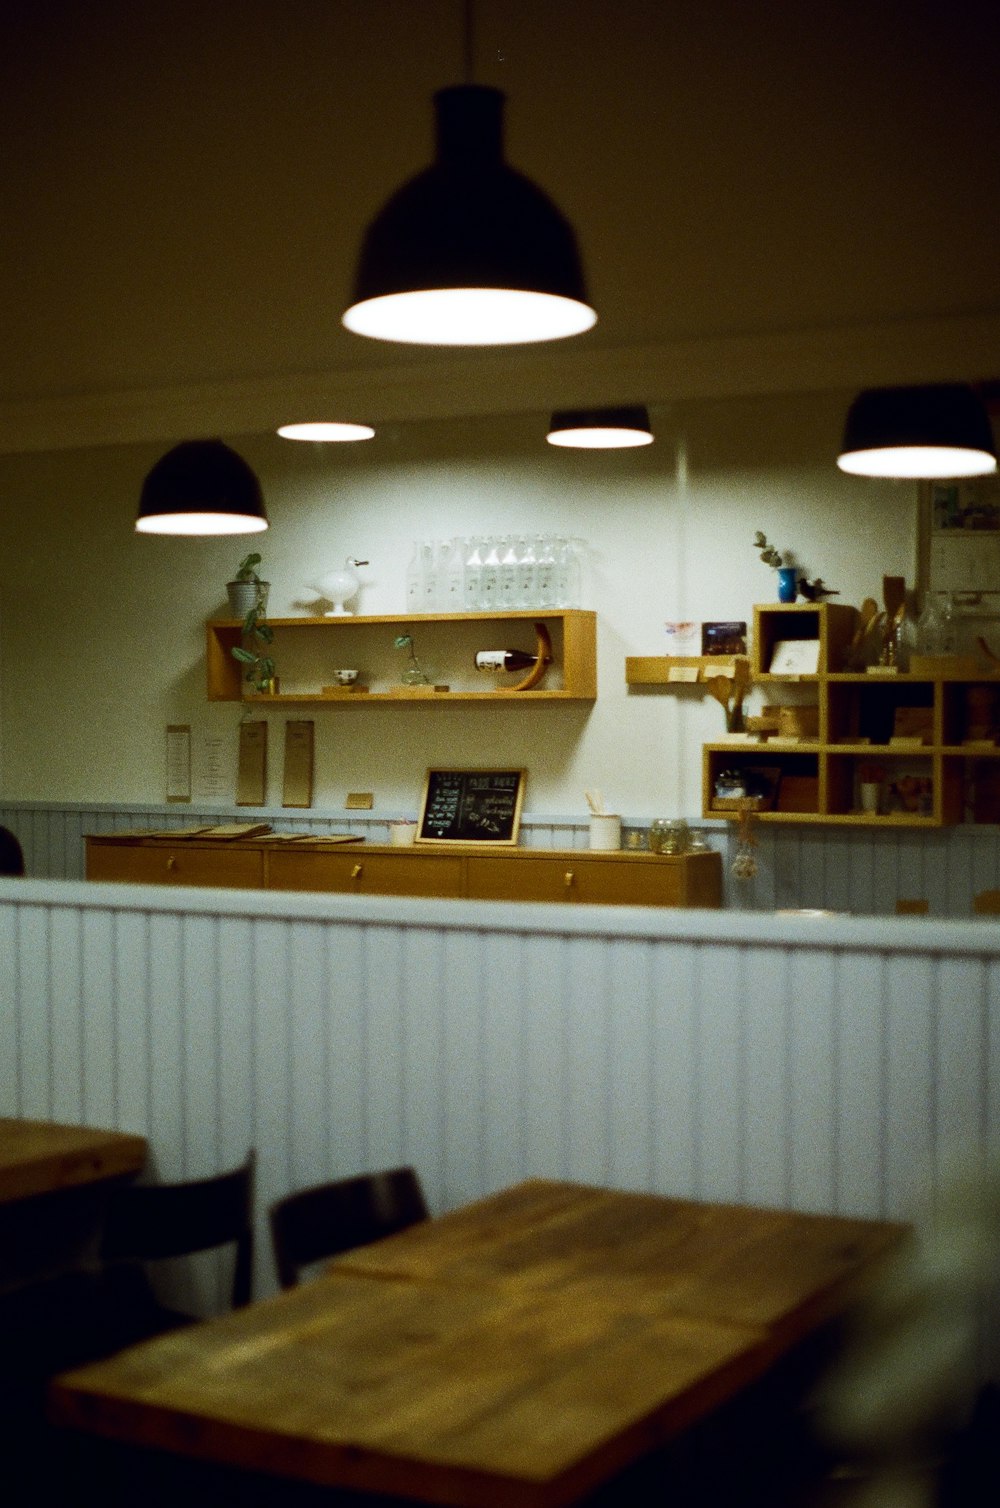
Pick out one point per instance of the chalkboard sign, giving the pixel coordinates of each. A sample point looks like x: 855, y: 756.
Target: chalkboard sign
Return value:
x: 471, y: 806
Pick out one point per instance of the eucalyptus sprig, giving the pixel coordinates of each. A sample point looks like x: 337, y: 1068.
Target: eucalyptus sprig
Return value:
x: 768, y: 554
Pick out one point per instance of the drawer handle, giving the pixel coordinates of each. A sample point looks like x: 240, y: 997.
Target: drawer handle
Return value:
x: 356, y: 871
x: 171, y: 862
x: 569, y: 878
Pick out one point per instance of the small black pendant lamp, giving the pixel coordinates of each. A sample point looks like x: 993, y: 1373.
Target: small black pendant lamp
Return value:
x: 601, y: 428
x: 935, y: 430
x: 201, y: 487
x: 469, y: 252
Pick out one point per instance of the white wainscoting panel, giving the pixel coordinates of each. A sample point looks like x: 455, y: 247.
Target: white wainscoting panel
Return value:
x: 827, y: 1064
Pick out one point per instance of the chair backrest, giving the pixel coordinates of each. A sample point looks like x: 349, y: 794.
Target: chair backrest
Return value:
x: 986, y: 903
x: 330, y: 1218
x: 148, y: 1221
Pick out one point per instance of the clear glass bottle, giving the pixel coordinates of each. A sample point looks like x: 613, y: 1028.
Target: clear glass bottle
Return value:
x: 567, y: 572
x: 490, y: 593
x: 546, y: 571
x: 415, y: 580
x: 930, y: 627
x: 430, y: 562
x: 526, y: 572
x: 452, y: 586
x: 473, y: 589
x: 508, y: 572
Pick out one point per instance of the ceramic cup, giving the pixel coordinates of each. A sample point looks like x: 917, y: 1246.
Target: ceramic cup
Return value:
x: 345, y: 677
x: 402, y: 834
x: 605, y: 830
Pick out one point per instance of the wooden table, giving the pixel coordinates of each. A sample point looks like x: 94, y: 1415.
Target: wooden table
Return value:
x: 520, y: 1351
x: 41, y: 1157
x: 53, y: 1183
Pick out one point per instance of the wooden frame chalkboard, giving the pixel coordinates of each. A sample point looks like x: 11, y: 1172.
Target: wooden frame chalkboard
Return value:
x: 471, y: 806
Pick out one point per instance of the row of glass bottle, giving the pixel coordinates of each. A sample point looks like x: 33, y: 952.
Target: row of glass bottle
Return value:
x: 494, y: 572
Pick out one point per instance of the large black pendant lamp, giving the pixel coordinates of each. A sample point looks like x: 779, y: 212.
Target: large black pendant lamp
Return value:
x: 201, y: 487
x: 470, y: 252
x: 934, y: 430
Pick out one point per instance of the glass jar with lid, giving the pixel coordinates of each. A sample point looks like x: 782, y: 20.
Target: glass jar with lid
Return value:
x: 668, y: 835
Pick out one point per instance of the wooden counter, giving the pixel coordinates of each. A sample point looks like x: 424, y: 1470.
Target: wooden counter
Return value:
x: 451, y: 871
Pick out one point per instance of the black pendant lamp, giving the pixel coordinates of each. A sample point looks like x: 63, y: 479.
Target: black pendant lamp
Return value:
x: 201, y: 487
x: 470, y: 252
x: 936, y: 430
x: 601, y: 428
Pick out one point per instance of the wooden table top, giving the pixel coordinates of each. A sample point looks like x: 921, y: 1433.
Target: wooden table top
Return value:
x: 513, y: 1354
x: 40, y: 1157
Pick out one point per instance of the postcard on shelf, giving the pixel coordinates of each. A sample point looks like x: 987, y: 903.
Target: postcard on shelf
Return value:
x: 178, y: 762
x: 683, y: 638
x: 251, y: 775
x: 723, y: 638
x: 298, y: 782
x: 684, y: 673
x: 795, y: 657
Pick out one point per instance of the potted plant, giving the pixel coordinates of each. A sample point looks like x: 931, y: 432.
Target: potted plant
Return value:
x: 246, y: 590
x: 788, y: 576
x: 257, y: 633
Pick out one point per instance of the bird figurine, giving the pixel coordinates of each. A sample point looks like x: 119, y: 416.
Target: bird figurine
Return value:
x: 815, y: 591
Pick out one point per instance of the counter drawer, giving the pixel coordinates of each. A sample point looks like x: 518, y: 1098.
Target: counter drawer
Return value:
x: 365, y: 873
x: 572, y: 877
x: 175, y: 864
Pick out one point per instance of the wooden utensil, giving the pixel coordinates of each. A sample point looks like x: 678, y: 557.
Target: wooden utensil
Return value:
x: 867, y: 613
x: 893, y: 595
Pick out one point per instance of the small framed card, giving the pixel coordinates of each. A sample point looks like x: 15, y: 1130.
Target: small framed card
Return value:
x: 723, y: 638
x: 795, y: 657
x: 683, y: 639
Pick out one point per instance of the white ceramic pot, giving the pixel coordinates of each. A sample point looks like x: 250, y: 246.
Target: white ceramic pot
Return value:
x: 244, y: 596
x: 605, y: 830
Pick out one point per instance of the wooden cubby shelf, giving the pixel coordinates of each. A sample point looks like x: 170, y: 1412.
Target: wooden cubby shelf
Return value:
x: 932, y: 740
x: 307, y: 651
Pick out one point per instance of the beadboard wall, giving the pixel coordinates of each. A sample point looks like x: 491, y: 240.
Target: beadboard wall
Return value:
x: 864, y: 873
x: 834, y: 1064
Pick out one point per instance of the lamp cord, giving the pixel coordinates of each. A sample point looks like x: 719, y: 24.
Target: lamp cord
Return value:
x: 467, y: 39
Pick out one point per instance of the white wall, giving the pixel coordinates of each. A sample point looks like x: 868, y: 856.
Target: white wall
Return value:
x: 103, y: 630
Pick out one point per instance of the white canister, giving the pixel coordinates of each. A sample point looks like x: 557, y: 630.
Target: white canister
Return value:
x: 605, y: 830
x: 402, y: 834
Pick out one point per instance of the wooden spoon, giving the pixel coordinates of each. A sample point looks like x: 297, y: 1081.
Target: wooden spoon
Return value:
x: 893, y: 595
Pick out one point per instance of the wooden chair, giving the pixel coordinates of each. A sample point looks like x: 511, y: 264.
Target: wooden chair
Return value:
x: 148, y: 1222
x: 330, y: 1218
x: 986, y: 903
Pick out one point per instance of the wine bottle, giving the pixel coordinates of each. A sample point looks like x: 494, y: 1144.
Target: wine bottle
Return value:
x: 505, y: 659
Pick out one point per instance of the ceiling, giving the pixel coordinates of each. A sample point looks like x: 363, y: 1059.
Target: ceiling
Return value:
x: 184, y: 185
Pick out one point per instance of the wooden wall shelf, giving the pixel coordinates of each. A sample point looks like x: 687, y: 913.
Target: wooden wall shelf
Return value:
x: 678, y: 670
x: 445, y: 640
x: 818, y: 779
